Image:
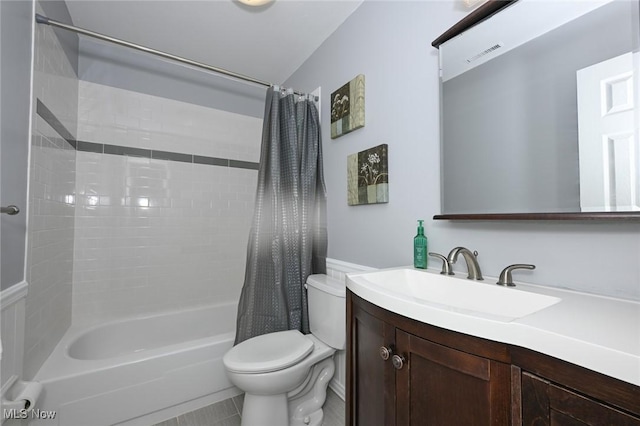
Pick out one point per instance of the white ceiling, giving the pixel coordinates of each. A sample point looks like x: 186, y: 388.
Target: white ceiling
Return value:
x: 268, y: 43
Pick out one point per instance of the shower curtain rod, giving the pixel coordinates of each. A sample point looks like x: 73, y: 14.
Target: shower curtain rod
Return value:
x: 40, y: 19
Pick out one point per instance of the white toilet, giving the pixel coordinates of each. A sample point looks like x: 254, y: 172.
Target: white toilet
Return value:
x: 285, y: 375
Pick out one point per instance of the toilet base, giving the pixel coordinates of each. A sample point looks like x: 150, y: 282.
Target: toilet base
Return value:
x: 300, y: 407
x: 265, y: 410
x: 305, y: 402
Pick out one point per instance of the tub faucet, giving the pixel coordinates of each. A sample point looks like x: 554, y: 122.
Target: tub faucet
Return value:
x: 472, y: 262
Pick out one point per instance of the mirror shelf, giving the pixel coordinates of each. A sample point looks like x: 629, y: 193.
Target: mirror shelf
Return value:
x: 478, y: 15
x: 601, y: 216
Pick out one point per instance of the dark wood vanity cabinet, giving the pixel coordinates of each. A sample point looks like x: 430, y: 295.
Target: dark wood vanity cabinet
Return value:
x: 403, y: 372
x: 557, y: 393
x: 374, y: 403
x: 545, y: 403
x: 439, y: 385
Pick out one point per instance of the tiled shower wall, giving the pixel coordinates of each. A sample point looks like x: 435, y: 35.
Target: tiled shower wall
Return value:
x: 51, y: 199
x: 162, y: 221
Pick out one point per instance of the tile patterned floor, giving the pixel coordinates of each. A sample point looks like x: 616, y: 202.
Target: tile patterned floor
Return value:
x: 227, y: 413
x: 333, y: 410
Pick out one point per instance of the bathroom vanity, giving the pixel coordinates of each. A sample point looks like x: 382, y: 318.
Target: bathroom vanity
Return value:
x: 420, y: 383
x: 407, y: 371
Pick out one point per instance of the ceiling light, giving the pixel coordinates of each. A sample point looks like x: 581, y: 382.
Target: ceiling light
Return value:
x: 472, y: 3
x: 255, y: 2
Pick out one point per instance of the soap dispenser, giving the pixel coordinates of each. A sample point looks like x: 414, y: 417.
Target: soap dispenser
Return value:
x: 420, y: 248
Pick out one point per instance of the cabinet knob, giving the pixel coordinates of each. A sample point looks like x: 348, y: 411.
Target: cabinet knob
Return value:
x: 385, y: 352
x: 398, y: 361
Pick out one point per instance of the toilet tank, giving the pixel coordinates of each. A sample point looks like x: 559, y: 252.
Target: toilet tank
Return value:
x: 327, y: 309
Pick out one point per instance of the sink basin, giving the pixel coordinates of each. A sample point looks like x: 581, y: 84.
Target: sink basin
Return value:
x: 479, y: 298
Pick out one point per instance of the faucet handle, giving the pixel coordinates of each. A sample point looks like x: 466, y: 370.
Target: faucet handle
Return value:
x: 506, y: 279
x: 446, y: 265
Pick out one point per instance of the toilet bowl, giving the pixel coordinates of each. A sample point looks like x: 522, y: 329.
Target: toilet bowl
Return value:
x: 269, y: 389
x: 285, y: 374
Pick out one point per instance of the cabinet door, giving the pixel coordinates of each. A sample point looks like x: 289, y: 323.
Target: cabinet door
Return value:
x: 544, y: 403
x: 441, y: 386
x: 370, y: 388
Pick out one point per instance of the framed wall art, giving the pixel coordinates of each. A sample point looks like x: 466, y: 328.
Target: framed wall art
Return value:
x: 347, y: 107
x: 368, y: 176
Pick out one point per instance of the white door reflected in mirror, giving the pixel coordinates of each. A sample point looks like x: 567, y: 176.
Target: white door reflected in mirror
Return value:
x: 608, y: 135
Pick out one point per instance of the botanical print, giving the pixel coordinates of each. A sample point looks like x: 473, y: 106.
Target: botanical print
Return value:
x: 340, y: 104
x: 368, y: 176
x: 370, y: 171
x: 347, y: 107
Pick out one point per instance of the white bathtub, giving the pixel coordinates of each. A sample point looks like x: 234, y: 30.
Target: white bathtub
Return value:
x: 139, y: 371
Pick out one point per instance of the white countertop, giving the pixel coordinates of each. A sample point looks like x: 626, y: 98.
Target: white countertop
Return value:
x: 596, y: 332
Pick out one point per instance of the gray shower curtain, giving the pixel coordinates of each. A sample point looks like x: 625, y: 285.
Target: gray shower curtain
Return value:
x: 288, y: 238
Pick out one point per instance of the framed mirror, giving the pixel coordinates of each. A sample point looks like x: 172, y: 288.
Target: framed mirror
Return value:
x: 539, y: 108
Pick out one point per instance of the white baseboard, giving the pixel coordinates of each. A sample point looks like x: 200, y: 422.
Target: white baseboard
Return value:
x: 338, y: 388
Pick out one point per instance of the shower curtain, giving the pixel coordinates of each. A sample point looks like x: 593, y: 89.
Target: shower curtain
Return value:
x: 288, y: 238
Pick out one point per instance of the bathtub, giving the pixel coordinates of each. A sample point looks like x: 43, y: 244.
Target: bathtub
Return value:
x: 139, y: 371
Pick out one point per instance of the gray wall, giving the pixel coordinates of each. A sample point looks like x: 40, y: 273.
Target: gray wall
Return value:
x: 129, y: 69
x: 389, y: 42
x: 511, y: 125
x: 15, y: 79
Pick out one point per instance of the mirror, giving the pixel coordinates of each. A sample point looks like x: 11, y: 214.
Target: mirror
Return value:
x: 539, y: 110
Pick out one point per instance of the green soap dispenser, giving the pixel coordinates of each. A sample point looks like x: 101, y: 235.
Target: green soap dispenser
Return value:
x: 420, y: 248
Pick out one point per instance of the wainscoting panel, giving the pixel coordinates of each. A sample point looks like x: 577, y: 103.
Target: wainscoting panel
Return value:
x: 338, y: 269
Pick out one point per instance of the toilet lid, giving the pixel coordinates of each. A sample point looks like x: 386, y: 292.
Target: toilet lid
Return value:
x: 269, y: 352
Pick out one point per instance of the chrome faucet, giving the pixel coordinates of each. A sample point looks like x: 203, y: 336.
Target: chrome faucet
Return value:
x: 472, y: 262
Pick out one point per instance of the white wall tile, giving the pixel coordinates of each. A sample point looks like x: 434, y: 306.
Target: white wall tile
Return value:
x: 151, y: 234
x: 51, y: 203
x: 121, y: 117
x: 116, y: 236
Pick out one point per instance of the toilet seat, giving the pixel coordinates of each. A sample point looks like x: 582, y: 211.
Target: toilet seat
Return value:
x: 269, y: 352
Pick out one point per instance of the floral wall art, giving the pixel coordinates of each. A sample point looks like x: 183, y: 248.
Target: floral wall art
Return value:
x: 347, y: 107
x: 368, y: 176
